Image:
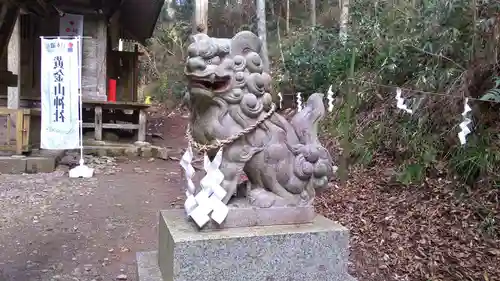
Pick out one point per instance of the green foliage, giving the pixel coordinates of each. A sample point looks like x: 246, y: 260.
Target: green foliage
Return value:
x: 476, y: 160
x: 493, y: 94
x: 168, y: 90
x: 429, y: 45
x: 310, y: 69
x: 445, y: 46
x: 489, y: 226
x: 164, y: 62
x: 166, y: 51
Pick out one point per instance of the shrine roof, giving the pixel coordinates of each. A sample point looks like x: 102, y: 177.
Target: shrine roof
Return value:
x: 137, y: 17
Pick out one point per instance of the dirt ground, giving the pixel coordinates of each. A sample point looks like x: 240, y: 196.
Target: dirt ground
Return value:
x: 56, y: 228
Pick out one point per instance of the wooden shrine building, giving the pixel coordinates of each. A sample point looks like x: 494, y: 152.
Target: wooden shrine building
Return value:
x: 23, y: 22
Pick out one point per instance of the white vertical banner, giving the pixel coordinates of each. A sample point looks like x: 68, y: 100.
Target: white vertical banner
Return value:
x: 59, y: 94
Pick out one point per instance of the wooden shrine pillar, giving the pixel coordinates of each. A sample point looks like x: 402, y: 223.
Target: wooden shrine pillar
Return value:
x: 8, y: 17
x: 14, y: 65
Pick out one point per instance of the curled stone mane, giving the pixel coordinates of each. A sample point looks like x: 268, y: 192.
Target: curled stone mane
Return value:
x: 250, y: 97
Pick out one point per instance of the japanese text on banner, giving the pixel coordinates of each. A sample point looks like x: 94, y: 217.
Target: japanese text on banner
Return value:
x: 59, y: 89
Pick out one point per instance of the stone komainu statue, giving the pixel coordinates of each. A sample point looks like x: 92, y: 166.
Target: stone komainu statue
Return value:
x: 230, y: 103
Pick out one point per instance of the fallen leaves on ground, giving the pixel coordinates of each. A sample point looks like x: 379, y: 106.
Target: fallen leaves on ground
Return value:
x: 434, y: 231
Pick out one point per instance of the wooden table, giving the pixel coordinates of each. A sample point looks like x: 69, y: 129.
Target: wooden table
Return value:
x: 137, y: 109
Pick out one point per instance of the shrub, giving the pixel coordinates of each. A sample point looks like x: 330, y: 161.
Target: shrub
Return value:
x: 431, y: 46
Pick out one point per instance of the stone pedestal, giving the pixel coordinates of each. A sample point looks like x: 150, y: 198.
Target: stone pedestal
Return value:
x: 316, y: 251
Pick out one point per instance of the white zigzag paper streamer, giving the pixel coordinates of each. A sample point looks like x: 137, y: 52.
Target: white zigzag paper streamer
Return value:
x: 330, y: 99
x: 207, y: 204
x: 212, y: 182
x: 214, y: 176
x: 299, y: 101
x: 281, y: 100
x: 186, y: 160
x: 464, y: 126
x: 400, y: 102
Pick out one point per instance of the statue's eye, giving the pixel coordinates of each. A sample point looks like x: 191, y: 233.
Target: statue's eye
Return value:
x: 238, y: 60
x: 209, y: 61
x: 192, y: 50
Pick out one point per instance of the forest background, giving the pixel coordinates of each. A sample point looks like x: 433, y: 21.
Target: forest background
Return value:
x: 420, y: 206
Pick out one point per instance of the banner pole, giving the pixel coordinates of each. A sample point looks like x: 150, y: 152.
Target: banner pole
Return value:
x: 80, y: 105
x: 80, y: 171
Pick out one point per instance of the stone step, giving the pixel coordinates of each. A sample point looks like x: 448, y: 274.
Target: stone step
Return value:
x: 127, y: 150
x: 38, y: 162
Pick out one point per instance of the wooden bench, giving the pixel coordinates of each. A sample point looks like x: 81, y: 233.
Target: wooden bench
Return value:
x: 136, y: 112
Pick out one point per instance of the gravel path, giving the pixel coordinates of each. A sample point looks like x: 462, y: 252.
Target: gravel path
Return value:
x: 56, y: 228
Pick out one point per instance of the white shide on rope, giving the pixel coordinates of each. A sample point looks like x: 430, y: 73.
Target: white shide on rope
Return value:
x: 280, y: 96
x: 330, y: 99
x: 400, y: 102
x: 207, y: 204
x: 464, y: 125
x: 299, y: 101
x: 189, y: 171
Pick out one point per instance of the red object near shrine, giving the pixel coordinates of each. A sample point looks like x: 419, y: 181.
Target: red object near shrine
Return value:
x: 112, y: 90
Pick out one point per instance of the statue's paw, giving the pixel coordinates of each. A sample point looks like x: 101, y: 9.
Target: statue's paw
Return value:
x: 259, y: 197
x: 306, y: 198
x: 262, y: 198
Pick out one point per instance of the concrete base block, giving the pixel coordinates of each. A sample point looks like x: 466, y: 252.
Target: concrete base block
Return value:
x: 246, y: 216
x: 147, y: 266
x: 40, y: 164
x: 18, y: 164
x: 12, y: 165
x: 315, y: 251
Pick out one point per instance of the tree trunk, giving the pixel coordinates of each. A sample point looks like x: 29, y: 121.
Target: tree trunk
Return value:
x: 313, y: 12
x: 313, y: 22
x: 345, y: 142
x: 344, y: 19
x: 200, y: 17
x: 262, y: 31
x: 287, y: 17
